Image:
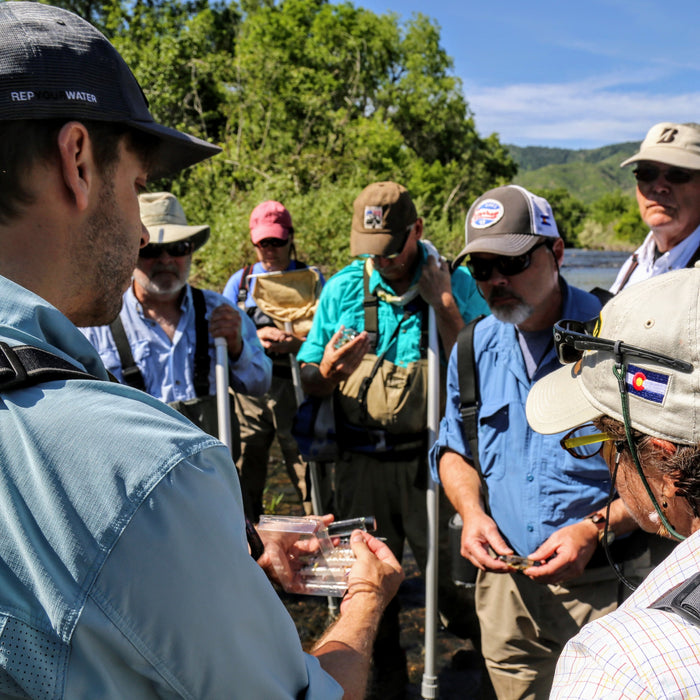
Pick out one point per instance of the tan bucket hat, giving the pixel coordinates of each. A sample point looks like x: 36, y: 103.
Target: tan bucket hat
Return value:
x: 164, y: 217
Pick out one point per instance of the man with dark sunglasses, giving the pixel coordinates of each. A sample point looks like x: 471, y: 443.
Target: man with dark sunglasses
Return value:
x: 531, y: 521
x: 667, y: 171
x: 163, y: 339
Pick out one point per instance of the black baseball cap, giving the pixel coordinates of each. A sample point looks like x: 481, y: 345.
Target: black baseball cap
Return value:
x: 54, y: 64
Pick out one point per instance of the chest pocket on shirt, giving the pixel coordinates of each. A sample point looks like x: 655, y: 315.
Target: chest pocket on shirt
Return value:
x: 494, y: 441
x: 141, y: 350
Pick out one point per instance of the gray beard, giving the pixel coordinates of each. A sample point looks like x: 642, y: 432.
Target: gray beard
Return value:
x: 514, y: 314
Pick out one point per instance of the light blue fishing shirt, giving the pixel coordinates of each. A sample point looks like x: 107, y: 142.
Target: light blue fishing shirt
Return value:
x: 167, y: 366
x: 124, y: 568
x: 535, y: 486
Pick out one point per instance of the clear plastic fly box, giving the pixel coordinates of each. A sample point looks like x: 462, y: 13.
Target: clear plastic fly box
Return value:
x: 305, y: 557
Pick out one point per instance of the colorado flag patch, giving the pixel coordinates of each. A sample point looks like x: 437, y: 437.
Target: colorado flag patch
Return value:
x: 646, y: 384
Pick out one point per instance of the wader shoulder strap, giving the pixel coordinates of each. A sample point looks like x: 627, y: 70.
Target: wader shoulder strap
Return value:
x: 469, y: 400
x: 25, y: 365
x: 202, y: 360
x: 243, y: 287
x: 130, y: 371
x: 635, y: 262
x: 632, y: 266
x: 371, y: 309
x: 603, y: 295
x: 684, y: 600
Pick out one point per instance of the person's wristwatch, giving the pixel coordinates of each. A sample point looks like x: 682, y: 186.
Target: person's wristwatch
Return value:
x: 598, y: 519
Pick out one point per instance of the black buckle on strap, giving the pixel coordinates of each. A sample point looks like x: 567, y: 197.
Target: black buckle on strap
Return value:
x: 17, y: 374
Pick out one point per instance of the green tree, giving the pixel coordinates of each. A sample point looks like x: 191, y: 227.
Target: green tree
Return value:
x: 310, y: 102
x: 613, y: 222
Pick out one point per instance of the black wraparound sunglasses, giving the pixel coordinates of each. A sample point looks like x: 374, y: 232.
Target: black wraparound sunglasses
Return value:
x: 676, y: 176
x: 572, y: 338
x: 481, y: 269
x: 272, y: 243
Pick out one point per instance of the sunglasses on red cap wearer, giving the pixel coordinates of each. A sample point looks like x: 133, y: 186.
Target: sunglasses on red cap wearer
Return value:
x: 272, y: 243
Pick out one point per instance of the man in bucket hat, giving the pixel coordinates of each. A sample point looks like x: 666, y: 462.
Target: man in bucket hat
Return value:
x: 162, y: 342
x: 531, y: 522
x: 125, y: 567
x: 630, y: 387
x: 667, y: 171
x: 379, y: 377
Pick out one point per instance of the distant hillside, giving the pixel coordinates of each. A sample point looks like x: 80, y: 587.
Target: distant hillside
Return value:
x: 586, y: 173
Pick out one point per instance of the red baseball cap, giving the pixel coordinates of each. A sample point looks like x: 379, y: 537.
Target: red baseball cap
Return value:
x: 270, y: 220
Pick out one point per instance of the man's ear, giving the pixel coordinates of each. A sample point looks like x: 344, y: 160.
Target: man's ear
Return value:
x: 419, y: 228
x: 77, y: 162
x: 558, y: 250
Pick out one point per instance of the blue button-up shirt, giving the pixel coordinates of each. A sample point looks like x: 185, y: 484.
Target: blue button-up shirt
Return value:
x: 168, y: 366
x: 535, y: 487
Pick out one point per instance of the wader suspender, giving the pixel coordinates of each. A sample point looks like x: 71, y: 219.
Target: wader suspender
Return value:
x: 469, y: 398
x: 371, y: 310
x: 132, y: 374
x: 202, y: 361
x: 243, y: 287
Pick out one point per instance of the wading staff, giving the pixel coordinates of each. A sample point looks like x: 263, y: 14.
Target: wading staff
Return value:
x: 299, y: 396
x: 429, y: 686
x: 223, y: 412
x: 223, y: 406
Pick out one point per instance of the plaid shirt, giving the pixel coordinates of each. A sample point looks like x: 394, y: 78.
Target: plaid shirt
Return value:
x: 637, y: 652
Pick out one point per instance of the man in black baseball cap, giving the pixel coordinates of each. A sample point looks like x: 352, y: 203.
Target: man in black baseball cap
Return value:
x: 125, y: 571
x: 54, y: 65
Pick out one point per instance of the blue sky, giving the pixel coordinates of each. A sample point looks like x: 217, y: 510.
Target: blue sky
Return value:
x: 567, y: 73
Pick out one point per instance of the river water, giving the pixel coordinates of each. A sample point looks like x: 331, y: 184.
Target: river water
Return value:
x: 592, y: 268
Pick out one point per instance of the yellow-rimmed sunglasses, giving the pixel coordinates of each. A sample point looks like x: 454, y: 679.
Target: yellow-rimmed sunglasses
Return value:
x: 583, y: 442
